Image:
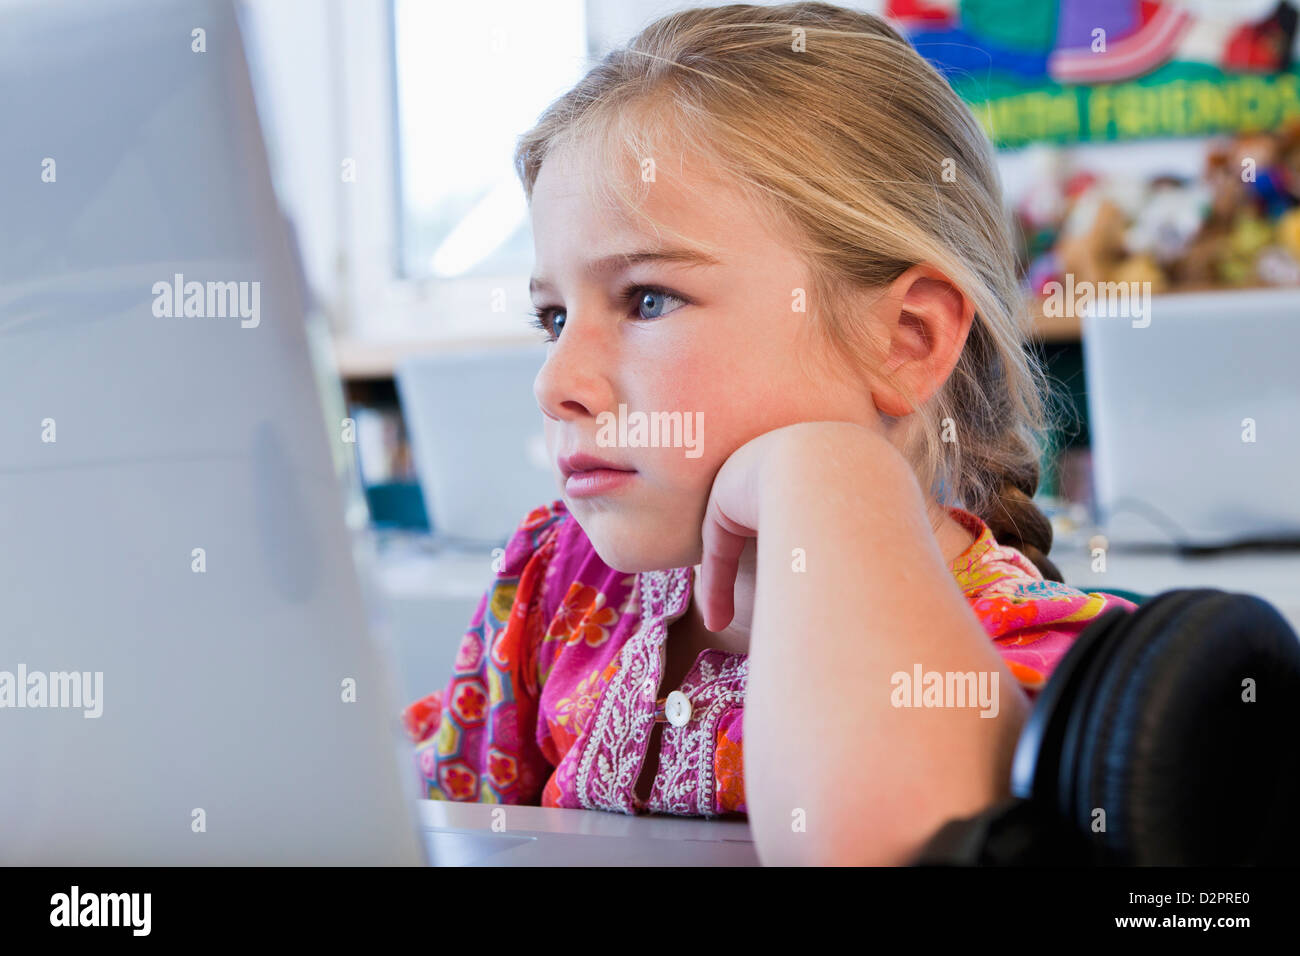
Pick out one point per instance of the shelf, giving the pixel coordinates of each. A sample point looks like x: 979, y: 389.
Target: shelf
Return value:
x: 1068, y: 328
x: 367, y: 360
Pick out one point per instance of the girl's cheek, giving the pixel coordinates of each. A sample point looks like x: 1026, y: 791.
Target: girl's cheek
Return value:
x: 548, y: 432
x: 687, y: 382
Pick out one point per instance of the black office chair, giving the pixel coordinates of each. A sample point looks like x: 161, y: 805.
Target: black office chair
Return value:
x: 1165, y: 736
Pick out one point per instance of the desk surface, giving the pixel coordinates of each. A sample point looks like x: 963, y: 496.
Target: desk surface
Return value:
x: 486, y: 834
x: 1273, y: 575
x: 446, y: 814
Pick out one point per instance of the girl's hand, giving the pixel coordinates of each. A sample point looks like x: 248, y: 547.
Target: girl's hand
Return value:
x: 731, y: 516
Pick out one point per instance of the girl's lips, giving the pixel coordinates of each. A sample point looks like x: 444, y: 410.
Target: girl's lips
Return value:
x: 597, y: 481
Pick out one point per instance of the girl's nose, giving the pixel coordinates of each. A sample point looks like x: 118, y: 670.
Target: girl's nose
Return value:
x: 573, y: 383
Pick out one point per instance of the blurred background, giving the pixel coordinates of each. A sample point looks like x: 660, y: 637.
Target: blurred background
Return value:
x: 1173, y: 159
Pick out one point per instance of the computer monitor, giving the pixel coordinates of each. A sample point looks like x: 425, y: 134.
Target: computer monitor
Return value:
x: 1194, y: 412
x: 184, y: 663
x: 476, y: 433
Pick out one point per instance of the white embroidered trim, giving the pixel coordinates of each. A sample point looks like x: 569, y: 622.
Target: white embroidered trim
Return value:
x: 685, y: 783
x: 616, y: 746
x: 620, y: 731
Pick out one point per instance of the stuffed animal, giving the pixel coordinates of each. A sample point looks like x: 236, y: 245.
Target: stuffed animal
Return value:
x: 1288, y: 232
x: 1249, y: 236
x: 1199, y: 266
x: 1141, y: 269
x: 1275, y: 266
x: 1092, y: 239
x: 1169, y: 219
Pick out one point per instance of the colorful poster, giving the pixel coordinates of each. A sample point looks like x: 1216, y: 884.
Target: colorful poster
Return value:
x: 1096, y: 70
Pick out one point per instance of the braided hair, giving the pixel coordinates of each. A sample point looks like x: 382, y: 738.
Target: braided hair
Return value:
x: 1017, y: 522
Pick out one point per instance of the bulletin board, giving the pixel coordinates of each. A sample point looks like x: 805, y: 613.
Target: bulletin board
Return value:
x: 1068, y: 71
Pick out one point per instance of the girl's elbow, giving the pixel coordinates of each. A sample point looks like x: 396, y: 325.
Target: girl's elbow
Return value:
x: 883, y: 820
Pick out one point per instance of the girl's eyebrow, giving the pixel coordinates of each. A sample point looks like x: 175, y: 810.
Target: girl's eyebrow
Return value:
x: 625, y: 260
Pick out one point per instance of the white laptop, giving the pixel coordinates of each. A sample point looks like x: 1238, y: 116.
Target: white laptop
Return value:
x: 186, y: 674
x: 477, y: 439
x: 1195, y: 420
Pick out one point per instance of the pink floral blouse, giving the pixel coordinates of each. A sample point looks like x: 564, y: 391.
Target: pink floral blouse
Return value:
x: 555, y: 690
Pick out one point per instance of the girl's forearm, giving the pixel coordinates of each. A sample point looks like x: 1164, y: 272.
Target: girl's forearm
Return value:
x: 852, y: 589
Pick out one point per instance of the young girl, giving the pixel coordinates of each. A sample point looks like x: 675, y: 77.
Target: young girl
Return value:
x: 777, y: 230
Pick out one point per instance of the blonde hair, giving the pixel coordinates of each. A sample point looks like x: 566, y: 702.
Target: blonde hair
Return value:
x: 872, y: 164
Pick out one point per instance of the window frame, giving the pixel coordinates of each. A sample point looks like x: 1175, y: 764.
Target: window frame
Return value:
x: 376, y: 303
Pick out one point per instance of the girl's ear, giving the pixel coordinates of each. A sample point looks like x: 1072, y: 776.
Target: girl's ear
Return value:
x: 924, y: 320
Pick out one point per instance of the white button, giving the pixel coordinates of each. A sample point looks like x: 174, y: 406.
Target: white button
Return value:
x: 677, y: 708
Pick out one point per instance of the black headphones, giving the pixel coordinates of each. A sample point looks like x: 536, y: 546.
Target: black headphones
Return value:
x: 1165, y: 736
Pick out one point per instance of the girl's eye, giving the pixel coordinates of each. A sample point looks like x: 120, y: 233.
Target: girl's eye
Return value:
x: 653, y: 300
x: 650, y: 303
x: 550, y: 321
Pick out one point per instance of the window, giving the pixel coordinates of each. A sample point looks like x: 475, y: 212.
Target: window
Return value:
x: 469, y: 81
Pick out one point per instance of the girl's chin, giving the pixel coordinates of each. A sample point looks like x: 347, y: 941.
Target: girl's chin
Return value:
x: 630, y: 539
x: 628, y: 550
x: 628, y: 560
